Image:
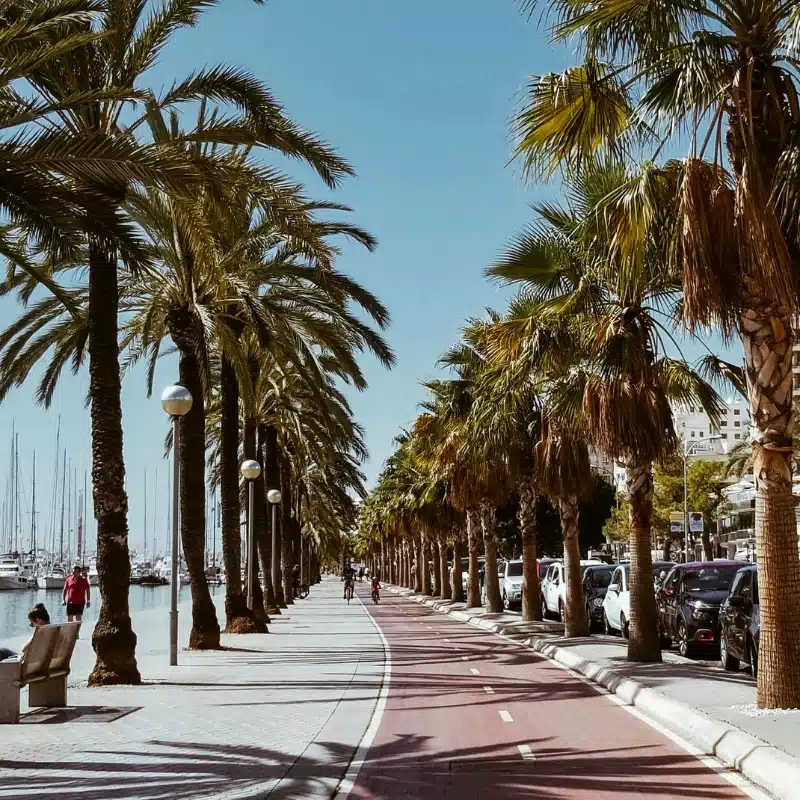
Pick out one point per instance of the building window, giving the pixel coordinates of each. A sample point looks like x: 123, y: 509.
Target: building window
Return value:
x: 723, y: 436
x: 692, y: 434
x: 701, y: 434
x: 737, y: 424
x: 691, y: 409
x: 736, y: 436
x: 737, y: 412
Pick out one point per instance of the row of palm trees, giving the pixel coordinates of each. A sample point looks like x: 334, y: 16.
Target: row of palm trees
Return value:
x: 144, y: 223
x: 580, y: 359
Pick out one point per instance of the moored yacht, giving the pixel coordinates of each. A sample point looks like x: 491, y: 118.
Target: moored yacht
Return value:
x: 14, y: 574
x: 51, y: 578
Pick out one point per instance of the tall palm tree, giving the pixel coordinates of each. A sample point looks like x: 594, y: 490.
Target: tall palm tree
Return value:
x: 728, y: 73
x: 611, y: 370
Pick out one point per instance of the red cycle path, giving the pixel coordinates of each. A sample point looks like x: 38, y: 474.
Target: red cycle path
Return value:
x: 442, y: 734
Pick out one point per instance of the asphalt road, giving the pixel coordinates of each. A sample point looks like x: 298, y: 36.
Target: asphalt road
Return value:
x: 472, y: 715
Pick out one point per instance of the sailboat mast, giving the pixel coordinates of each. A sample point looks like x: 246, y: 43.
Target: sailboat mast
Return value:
x: 16, y: 493
x: 63, y: 499
x: 85, y: 526
x: 145, y: 517
x: 33, y: 509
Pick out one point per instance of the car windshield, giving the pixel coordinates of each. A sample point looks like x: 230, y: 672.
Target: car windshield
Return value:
x: 514, y: 569
x: 543, y: 569
x: 709, y: 579
x: 601, y: 578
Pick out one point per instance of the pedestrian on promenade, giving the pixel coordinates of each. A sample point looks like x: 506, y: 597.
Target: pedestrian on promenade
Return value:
x: 296, y: 580
x: 360, y: 574
x: 75, y: 595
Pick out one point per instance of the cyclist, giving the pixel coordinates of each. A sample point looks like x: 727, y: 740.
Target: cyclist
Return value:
x: 296, y: 580
x: 376, y: 588
x: 349, y: 577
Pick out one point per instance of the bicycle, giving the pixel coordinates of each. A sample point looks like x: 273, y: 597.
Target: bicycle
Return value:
x: 375, y: 596
x: 302, y: 591
x: 348, y: 591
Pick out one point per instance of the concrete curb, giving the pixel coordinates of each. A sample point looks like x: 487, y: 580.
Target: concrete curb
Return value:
x: 767, y: 766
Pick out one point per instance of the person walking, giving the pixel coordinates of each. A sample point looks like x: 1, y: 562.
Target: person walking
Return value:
x: 76, y: 595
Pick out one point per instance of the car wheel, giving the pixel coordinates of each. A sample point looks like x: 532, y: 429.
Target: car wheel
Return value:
x: 562, y: 612
x: 666, y: 641
x: 684, y: 648
x: 505, y: 601
x: 590, y: 618
x: 607, y: 629
x: 545, y: 612
x: 752, y: 654
x: 729, y: 662
x: 624, y: 626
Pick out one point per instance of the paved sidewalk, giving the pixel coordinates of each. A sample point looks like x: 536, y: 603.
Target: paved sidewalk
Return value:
x: 711, y: 708
x: 275, y: 715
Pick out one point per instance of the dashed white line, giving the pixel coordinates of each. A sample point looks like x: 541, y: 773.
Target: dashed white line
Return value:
x: 526, y: 752
x: 465, y: 658
x: 475, y: 671
x: 488, y: 690
x: 505, y: 716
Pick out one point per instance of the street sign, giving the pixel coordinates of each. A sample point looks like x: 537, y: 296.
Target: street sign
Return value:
x: 676, y: 522
x: 695, y: 522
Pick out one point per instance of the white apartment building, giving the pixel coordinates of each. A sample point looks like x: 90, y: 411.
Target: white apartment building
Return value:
x: 696, y: 431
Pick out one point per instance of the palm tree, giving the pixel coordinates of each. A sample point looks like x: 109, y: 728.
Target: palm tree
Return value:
x: 602, y: 307
x: 728, y: 73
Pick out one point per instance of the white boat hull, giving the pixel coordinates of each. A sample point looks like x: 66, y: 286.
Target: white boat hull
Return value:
x: 8, y: 582
x: 50, y: 582
x: 94, y: 580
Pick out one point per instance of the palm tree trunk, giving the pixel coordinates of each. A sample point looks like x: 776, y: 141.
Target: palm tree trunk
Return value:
x: 264, y: 535
x: 392, y: 561
x: 457, y: 588
x: 576, y: 622
x: 192, y: 455
x: 113, y: 639
x: 287, y: 560
x: 424, y: 565
x: 531, y: 607
x: 474, y: 581
x: 494, y: 603
x: 417, y: 565
x: 444, y: 573
x: 237, y: 616
x: 436, y: 563
x: 766, y: 336
x: 644, y: 643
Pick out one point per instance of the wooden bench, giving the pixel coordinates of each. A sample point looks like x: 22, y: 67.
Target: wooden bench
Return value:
x: 44, y: 671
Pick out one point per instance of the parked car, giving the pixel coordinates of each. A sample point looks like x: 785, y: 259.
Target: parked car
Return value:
x: 543, y: 564
x: 689, y: 601
x: 554, y: 588
x: 596, y: 580
x: 511, y: 584
x: 465, y: 571
x: 617, y: 601
x: 740, y: 622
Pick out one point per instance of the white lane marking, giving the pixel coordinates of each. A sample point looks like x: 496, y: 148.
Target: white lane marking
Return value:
x: 526, y: 752
x: 505, y: 716
x: 488, y: 690
x: 475, y: 671
x: 465, y: 658
x: 349, y: 780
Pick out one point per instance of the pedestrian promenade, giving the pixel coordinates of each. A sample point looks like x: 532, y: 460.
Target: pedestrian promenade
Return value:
x: 274, y: 715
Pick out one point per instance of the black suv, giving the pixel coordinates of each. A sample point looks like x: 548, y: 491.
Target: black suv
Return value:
x: 596, y: 580
x: 740, y: 622
x: 689, y: 601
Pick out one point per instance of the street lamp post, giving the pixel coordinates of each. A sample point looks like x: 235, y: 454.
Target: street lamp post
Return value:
x: 274, y: 497
x: 250, y: 471
x: 176, y: 401
x: 685, y: 453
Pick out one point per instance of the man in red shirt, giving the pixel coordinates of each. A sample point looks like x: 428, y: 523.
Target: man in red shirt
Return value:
x: 75, y: 595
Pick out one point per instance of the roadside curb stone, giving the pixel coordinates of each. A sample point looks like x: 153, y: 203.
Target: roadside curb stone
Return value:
x: 765, y: 765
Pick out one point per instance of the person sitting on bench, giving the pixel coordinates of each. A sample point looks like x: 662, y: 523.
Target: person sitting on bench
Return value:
x: 37, y: 617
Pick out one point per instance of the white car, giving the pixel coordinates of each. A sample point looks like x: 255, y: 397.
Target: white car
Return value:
x: 511, y: 584
x: 465, y: 571
x: 617, y: 602
x: 554, y: 588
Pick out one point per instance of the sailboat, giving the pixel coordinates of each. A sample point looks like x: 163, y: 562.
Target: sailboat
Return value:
x: 52, y: 575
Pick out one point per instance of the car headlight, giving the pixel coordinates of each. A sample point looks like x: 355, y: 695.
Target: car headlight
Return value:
x: 597, y: 602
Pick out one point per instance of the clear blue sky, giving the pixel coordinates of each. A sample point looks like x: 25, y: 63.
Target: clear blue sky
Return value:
x: 417, y: 95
